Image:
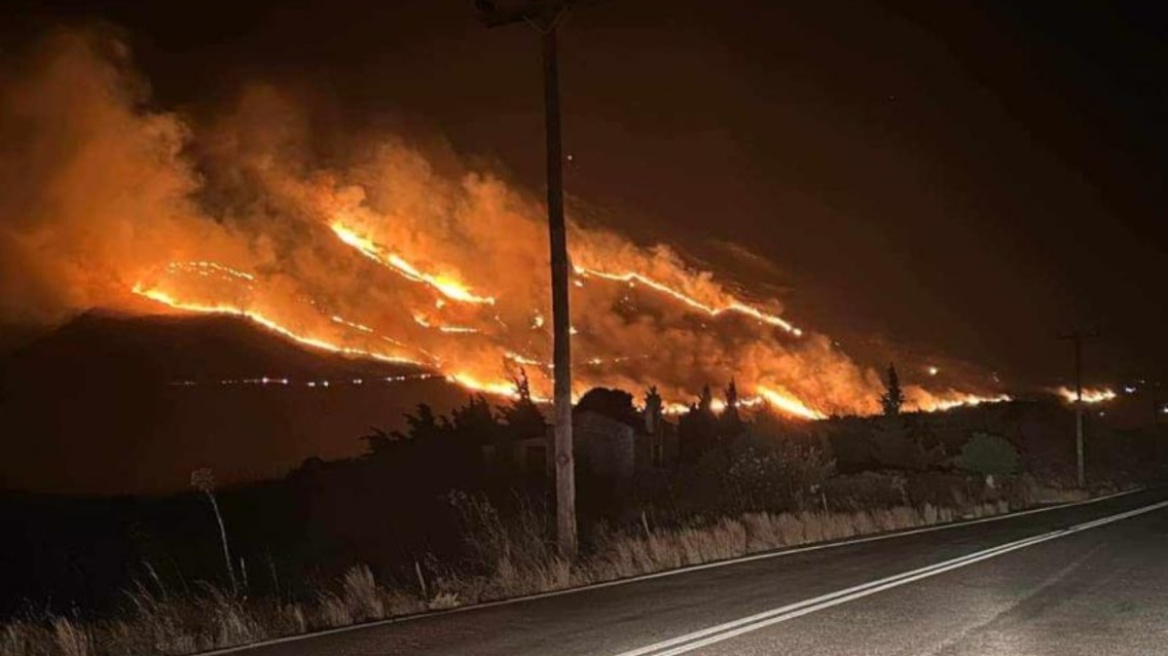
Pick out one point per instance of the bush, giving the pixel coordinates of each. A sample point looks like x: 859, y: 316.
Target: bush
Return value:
x: 775, y: 473
x: 988, y: 454
x: 865, y: 491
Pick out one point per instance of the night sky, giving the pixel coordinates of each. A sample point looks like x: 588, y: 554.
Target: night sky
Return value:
x: 963, y: 179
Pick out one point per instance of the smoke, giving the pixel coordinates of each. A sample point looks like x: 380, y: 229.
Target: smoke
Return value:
x: 96, y: 190
x: 390, y: 250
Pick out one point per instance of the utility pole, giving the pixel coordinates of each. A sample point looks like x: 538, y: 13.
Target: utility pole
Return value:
x: 1154, y: 387
x: 546, y: 17
x: 1076, y: 336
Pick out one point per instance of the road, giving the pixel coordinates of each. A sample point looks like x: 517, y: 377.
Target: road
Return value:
x: 1022, y: 585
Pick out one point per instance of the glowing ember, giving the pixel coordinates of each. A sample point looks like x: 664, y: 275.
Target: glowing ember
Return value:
x: 449, y: 288
x: 1090, y: 395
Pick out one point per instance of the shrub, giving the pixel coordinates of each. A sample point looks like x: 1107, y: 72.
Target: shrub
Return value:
x: 988, y: 454
x: 775, y: 473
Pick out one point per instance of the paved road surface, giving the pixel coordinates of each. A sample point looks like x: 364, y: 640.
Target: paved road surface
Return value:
x: 1094, y: 591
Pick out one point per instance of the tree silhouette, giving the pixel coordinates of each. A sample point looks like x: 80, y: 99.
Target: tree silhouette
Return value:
x: 475, y: 422
x: 654, y: 408
x: 697, y: 430
x: 730, y: 424
x: 612, y: 403
x: 425, y: 426
x: 893, y: 398
x: 706, y: 400
x: 522, y: 418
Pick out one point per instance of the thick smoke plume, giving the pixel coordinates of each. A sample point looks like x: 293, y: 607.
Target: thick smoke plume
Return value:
x: 391, y: 250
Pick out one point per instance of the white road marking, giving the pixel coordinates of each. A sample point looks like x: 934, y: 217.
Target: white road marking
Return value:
x: 656, y: 575
x: 714, y: 634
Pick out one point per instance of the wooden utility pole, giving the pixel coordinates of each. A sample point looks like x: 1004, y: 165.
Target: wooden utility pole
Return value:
x: 1076, y: 337
x: 1154, y: 387
x: 546, y: 17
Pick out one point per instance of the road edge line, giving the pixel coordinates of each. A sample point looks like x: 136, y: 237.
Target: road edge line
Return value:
x: 734, y: 628
x: 763, y: 555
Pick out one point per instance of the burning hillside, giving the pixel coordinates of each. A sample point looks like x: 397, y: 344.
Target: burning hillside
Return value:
x: 390, y: 252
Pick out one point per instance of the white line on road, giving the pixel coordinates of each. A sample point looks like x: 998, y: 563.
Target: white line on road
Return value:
x: 697, y: 639
x: 788, y: 551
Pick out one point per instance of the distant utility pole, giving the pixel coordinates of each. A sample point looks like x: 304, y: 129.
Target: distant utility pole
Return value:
x: 1077, y: 336
x: 1154, y: 387
x: 546, y: 17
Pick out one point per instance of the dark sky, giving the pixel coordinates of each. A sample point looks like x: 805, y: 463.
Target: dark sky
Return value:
x: 960, y: 178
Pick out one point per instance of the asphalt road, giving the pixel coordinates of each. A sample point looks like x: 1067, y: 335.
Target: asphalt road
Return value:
x: 1016, y: 586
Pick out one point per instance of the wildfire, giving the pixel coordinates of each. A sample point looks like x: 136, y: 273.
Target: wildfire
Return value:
x: 789, y: 404
x: 966, y: 400
x: 351, y: 324
x: 206, y: 268
x: 734, y: 306
x: 461, y: 252
x: 449, y: 288
x: 1090, y: 395
x: 496, y: 388
x: 170, y: 301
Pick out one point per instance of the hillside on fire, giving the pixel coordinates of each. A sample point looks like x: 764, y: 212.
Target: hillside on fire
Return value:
x: 628, y: 328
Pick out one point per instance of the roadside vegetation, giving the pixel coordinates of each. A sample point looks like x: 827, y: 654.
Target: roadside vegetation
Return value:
x: 420, y: 523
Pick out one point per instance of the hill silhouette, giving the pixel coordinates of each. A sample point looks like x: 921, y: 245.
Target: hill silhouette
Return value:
x: 111, y: 403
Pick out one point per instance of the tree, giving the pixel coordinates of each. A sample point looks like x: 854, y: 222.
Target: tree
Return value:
x: 730, y: 423
x: 697, y: 430
x: 706, y: 400
x: 612, y: 403
x: 893, y: 398
x: 522, y: 417
x: 425, y: 426
x: 988, y: 454
x: 474, y: 422
x: 654, y: 408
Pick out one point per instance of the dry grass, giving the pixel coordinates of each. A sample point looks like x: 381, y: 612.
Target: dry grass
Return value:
x: 507, y: 559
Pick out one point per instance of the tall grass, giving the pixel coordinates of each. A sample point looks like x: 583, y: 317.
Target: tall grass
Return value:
x: 505, y: 558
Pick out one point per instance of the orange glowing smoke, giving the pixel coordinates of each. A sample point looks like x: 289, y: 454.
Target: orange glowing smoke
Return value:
x: 450, y: 267
x: 1090, y: 395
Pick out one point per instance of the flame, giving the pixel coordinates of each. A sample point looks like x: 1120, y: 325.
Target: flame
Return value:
x: 735, y: 305
x: 448, y: 287
x: 496, y: 388
x: 355, y: 326
x: 789, y: 404
x: 168, y: 300
x: 205, y: 268
x: 1090, y: 395
x: 964, y: 400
